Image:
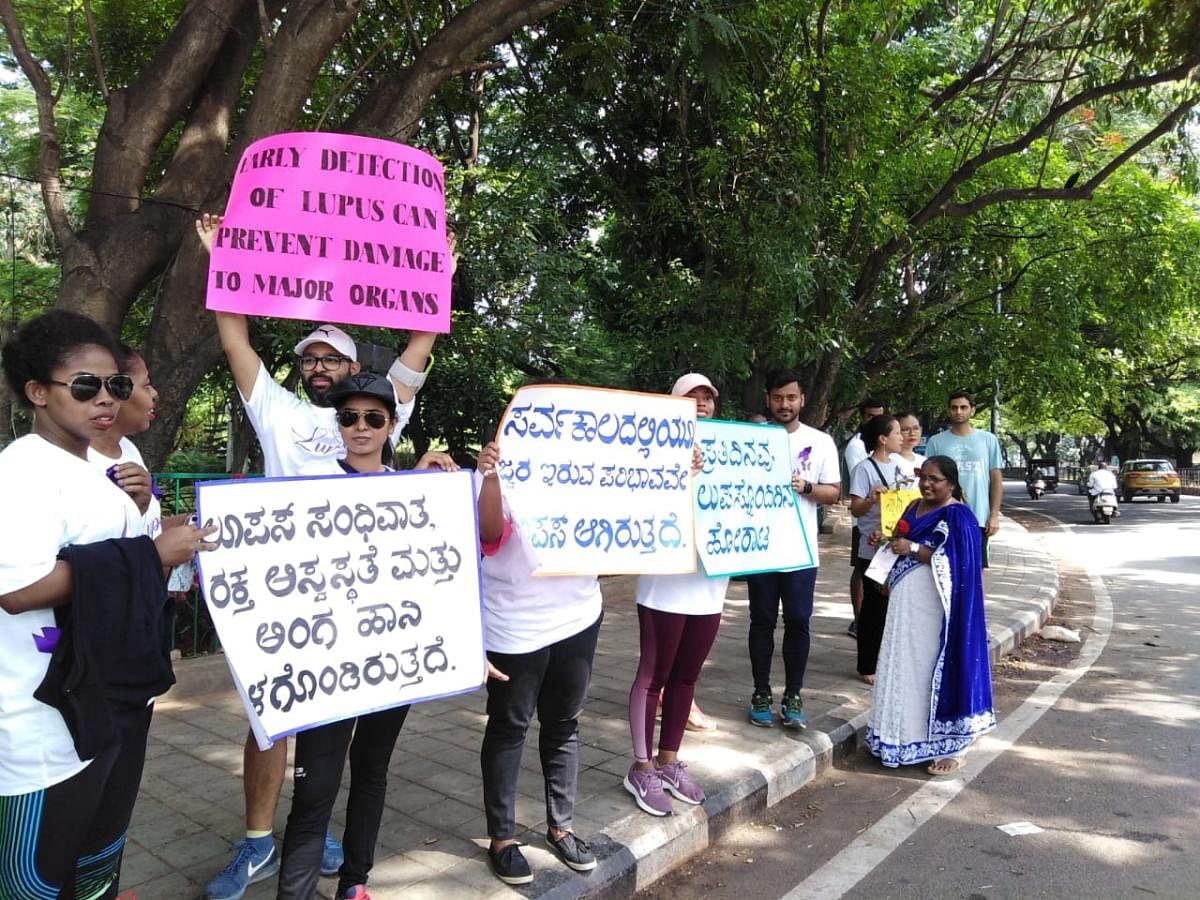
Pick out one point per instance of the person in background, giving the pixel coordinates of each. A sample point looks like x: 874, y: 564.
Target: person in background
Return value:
x: 933, y: 687
x: 83, y: 632
x: 678, y: 618
x: 977, y: 455
x: 116, y: 455
x: 365, y: 404
x: 854, y: 453
x: 541, y: 637
x: 816, y: 477
x: 874, y: 476
x: 293, y: 433
x: 908, y: 459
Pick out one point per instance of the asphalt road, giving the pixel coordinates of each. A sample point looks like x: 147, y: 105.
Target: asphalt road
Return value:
x: 1098, y: 746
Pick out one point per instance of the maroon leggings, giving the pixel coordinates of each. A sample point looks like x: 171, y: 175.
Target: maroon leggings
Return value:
x: 674, y: 647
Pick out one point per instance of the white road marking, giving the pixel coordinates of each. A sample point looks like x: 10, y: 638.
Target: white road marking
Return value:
x: 857, y: 860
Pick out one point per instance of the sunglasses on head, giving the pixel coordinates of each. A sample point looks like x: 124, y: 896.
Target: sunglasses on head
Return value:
x: 348, y: 418
x: 86, y: 386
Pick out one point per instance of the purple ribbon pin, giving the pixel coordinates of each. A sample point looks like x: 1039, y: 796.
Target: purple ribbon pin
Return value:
x: 47, y: 640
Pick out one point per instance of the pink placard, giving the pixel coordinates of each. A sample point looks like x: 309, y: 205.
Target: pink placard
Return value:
x: 335, y: 228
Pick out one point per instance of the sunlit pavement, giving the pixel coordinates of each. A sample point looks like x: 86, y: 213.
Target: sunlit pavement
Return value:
x: 433, y: 837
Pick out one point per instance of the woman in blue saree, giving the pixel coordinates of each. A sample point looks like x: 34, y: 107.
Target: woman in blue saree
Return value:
x: 933, y: 687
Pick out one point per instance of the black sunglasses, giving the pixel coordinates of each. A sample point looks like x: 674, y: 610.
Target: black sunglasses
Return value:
x: 86, y: 386
x: 348, y: 418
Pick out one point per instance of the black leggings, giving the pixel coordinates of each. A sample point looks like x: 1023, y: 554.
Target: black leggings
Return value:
x: 320, y: 760
x: 872, y: 616
x: 66, y: 841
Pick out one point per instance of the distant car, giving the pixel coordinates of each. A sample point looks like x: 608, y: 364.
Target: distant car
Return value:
x: 1150, y: 478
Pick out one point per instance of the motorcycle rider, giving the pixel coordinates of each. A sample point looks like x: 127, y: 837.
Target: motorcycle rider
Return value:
x: 1100, y: 481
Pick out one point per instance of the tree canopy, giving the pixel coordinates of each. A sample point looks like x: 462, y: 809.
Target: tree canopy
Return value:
x: 645, y: 188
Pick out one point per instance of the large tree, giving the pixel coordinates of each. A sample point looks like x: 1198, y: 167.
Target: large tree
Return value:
x: 814, y: 182
x: 185, y: 87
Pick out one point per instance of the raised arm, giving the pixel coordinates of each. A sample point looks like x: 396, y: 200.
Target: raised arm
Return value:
x: 408, y: 374
x: 232, y: 328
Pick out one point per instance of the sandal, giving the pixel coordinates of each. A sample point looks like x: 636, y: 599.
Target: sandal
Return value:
x: 947, y: 765
x: 698, y: 721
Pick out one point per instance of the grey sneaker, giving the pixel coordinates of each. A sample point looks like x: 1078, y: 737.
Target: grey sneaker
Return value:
x: 676, y: 779
x: 646, y: 785
x: 573, y: 851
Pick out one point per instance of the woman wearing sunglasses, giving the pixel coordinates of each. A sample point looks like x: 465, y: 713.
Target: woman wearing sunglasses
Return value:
x: 365, y: 406
x: 79, y: 582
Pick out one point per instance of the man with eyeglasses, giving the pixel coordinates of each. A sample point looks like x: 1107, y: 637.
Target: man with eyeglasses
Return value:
x: 294, y: 433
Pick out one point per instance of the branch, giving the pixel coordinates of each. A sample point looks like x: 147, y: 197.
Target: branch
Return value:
x: 99, y: 63
x: 303, y: 40
x: 140, y: 115
x: 1085, y: 190
x: 393, y: 106
x: 941, y: 200
x: 49, y: 153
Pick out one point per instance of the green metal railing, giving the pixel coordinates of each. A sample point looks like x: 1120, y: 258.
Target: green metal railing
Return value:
x: 193, y: 633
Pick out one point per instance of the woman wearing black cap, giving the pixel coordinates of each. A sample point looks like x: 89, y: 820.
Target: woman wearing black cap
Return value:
x: 366, y: 412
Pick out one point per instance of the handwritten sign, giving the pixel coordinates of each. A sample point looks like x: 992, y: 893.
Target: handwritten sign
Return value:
x: 341, y: 595
x: 598, y: 480
x: 335, y: 228
x: 892, y: 505
x: 747, y: 516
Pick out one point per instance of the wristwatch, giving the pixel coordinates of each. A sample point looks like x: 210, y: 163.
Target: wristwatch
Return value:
x: 914, y: 549
x: 807, y: 488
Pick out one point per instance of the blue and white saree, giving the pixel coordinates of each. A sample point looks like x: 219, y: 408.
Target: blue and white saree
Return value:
x: 933, y: 684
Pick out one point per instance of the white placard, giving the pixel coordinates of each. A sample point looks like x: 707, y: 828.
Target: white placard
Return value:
x: 747, y: 515
x: 882, y: 563
x: 341, y: 595
x: 598, y: 480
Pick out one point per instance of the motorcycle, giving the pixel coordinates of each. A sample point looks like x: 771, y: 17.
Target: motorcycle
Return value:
x: 1104, y: 506
x: 1036, y: 488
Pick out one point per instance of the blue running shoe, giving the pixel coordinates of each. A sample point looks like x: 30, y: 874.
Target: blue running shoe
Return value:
x: 791, y: 711
x: 254, y: 860
x: 332, y: 857
x: 760, y: 709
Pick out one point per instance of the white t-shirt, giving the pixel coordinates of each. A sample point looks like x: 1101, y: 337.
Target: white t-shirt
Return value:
x: 523, y: 613
x: 815, y: 459
x: 294, y: 432
x: 130, y: 454
x: 52, y: 499
x: 692, y: 594
x: 908, y: 470
x: 855, y: 452
x: 1102, y: 480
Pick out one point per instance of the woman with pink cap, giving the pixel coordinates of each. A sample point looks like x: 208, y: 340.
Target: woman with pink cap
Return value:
x: 678, y: 617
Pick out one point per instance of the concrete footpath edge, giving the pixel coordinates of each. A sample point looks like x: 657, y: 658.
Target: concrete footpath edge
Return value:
x: 635, y: 853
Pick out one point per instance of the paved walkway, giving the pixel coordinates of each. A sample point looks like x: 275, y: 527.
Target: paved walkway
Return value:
x: 433, y: 839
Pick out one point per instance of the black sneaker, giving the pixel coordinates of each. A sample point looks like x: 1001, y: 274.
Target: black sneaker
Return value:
x: 509, y: 864
x: 572, y: 851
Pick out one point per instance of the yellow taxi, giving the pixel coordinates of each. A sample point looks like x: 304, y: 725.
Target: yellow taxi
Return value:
x: 1150, y: 478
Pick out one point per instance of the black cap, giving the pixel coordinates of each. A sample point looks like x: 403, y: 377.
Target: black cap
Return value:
x: 367, y: 383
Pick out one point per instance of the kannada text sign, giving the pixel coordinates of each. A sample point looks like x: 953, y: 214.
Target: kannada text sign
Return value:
x: 339, y: 595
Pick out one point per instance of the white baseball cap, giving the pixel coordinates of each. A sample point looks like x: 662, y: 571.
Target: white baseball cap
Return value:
x: 334, y: 337
x: 689, y: 382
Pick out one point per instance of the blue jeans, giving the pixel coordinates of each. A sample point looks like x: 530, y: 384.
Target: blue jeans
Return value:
x: 768, y: 591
